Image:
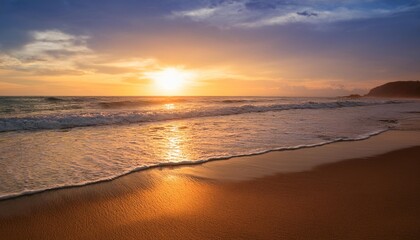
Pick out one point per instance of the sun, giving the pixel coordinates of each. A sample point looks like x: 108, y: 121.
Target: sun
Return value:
x: 170, y: 80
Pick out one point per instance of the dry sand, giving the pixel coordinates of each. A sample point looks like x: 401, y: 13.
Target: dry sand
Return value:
x: 374, y: 197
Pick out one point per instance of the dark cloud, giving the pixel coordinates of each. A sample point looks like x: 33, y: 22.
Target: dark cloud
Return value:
x: 307, y: 14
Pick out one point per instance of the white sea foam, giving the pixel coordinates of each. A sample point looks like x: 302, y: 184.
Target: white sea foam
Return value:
x: 181, y: 163
x: 205, y: 129
x: 60, y: 120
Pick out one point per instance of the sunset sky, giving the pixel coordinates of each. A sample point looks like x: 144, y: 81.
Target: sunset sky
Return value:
x: 207, y: 47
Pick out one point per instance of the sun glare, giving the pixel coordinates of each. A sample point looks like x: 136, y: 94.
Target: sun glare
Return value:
x: 170, y: 80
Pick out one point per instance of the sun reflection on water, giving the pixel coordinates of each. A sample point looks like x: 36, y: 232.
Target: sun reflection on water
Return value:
x: 169, y: 106
x: 174, y: 141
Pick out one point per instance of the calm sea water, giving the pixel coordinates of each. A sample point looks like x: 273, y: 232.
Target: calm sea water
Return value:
x: 53, y: 142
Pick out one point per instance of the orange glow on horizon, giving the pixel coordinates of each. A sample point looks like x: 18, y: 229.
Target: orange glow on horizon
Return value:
x: 170, y: 80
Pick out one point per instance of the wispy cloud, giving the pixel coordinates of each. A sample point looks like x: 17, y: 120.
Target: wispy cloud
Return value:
x: 56, y: 53
x: 253, y: 14
x: 53, y: 52
x: 48, y: 51
x: 53, y: 41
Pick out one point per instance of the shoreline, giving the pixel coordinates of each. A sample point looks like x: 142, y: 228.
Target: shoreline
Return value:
x: 191, y: 164
x: 205, y: 169
x: 243, y: 197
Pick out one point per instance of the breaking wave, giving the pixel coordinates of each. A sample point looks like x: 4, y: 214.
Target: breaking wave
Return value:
x: 97, y: 118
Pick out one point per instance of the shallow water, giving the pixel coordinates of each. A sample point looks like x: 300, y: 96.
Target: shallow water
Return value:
x: 56, y: 142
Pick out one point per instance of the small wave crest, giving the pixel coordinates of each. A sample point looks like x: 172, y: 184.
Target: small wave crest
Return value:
x: 238, y: 101
x: 54, y: 99
x: 122, y: 104
x: 138, y: 103
x: 71, y: 120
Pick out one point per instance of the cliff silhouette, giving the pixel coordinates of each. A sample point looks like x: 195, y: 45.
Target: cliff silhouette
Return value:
x: 400, y: 89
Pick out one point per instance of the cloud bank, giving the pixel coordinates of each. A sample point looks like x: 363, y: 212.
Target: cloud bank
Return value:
x: 48, y: 51
x: 255, y: 14
x: 54, y: 52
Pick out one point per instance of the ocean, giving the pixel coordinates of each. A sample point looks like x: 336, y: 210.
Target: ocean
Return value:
x: 55, y: 142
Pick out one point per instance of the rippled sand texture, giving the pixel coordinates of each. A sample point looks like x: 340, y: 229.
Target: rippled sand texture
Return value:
x: 366, y: 198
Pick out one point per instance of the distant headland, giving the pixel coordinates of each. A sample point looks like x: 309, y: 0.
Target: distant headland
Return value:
x: 399, y: 89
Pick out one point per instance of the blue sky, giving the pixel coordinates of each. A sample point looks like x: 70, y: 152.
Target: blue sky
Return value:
x: 303, y: 47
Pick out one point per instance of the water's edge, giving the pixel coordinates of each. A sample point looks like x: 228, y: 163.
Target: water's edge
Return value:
x: 191, y: 163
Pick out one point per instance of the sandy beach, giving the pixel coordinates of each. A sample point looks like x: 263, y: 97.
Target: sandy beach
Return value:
x: 371, y: 195
x: 210, y: 119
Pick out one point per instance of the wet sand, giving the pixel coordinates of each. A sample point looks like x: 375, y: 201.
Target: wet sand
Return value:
x: 367, y: 196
